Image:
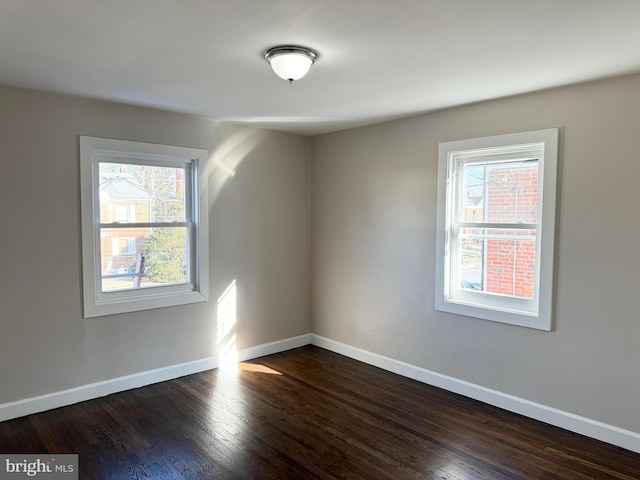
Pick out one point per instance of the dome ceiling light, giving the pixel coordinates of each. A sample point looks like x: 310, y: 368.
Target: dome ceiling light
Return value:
x: 290, y: 62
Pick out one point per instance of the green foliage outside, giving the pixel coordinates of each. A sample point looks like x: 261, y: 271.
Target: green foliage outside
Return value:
x: 165, y: 256
x: 165, y: 249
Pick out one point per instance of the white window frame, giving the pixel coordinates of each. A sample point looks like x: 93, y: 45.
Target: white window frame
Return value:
x: 196, y: 289
x: 450, y: 297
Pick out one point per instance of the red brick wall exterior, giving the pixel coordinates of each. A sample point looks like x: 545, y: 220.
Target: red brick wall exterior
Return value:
x: 512, y: 197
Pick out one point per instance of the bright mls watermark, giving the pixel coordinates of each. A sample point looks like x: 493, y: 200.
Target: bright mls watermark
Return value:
x: 51, y: 467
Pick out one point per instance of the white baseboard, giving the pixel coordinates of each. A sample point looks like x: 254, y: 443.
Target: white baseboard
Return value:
x: 274, y: 347
x: 574, y: 423
x: 63, y: 398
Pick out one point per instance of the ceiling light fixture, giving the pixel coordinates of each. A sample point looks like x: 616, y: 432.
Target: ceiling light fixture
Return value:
x: 290, y: 62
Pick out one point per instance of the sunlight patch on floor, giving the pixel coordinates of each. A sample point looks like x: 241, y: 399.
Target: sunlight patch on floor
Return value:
x: 256, y: 367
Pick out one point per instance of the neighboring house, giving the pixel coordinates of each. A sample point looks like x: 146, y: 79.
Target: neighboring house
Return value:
x: 122, y: 200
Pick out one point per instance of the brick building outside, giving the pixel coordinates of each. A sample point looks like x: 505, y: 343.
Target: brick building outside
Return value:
x: 501, y: 261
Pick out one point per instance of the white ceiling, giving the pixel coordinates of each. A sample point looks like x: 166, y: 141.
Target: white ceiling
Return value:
x: 378, y: 59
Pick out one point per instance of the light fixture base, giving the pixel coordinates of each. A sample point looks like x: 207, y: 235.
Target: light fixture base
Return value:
x: 290, y: 62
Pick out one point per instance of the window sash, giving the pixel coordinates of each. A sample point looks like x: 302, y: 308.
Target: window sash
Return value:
x: 188, y: 285
x: 146, y: 160
x: 190, y: 179
x: 515, y: 155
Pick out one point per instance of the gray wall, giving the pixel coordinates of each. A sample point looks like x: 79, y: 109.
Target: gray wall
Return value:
x: 373, y: 198
x: 259, y: 236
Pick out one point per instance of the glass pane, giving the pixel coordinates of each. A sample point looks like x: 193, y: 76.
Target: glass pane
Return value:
x: 471, y: 263
x: 141, y: 193
x: 143, y: 257
x: 500, y: 192
x: 474, y: 191
x: 498, y: 261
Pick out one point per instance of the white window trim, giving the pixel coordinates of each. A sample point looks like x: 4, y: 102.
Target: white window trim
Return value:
x: 98, y: 303
x: 540, y: 315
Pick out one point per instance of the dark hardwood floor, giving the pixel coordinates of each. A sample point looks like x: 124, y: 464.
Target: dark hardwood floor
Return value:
x: 306, y: 414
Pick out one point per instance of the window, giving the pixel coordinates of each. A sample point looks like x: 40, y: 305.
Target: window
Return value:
x: 496, y: 219
x: 124, y: 246
x: 124, y: 213
x: 144, y: 225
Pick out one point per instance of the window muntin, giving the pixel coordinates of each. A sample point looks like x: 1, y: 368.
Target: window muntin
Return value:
x: 491, y: 222
x: 144, y: 225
